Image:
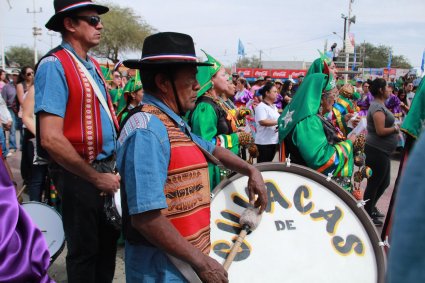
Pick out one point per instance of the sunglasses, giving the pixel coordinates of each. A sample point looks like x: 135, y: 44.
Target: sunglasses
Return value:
x: 91, y: 20
x: 30, y: 74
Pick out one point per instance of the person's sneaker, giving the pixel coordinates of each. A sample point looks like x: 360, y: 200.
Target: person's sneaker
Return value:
x: 377, y: 222
x: 377, y: 213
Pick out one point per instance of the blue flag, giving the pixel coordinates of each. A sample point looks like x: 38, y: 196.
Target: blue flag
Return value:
x: 241, y: 48
x: 390, y: 57
x: 423, y: 62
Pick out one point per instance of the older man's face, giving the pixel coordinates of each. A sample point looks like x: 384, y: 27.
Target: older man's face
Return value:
x: 187, y: 87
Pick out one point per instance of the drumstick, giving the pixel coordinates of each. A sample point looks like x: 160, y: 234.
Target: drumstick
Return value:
x: 250, y: 219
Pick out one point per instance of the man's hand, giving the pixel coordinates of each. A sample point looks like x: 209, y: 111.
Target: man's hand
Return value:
x: 256, y: 186
x: 211, y: 271
x: 107, y: 182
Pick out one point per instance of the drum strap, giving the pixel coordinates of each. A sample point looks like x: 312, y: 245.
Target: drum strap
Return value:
x: 185, y: 269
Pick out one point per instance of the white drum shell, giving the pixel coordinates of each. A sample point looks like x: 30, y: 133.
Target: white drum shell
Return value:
x: 49, y: 221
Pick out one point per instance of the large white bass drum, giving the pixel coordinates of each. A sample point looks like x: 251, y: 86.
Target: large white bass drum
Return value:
x: 311, y: 231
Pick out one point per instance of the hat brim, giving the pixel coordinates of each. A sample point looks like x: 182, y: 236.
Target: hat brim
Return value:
x: 139, y: 64
x: 56, y: 21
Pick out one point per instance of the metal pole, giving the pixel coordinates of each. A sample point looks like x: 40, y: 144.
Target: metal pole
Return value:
x: 347, y: 56
x: 36, y: 31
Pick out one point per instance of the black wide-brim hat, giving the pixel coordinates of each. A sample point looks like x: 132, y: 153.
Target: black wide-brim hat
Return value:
x: 164, y: 49
x: 64, y: 8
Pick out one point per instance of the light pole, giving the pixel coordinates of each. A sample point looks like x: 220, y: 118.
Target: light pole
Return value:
x: 35, y: 30
x: 350, y: 20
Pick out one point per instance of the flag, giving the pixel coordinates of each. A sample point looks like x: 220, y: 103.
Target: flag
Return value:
x: 241, y: 48
x: 423, y: 62
x: 390, y: 57
x: 354, y: 60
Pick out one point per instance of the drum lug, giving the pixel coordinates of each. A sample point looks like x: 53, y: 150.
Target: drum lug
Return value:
x: 288, y: 161
x: 362, y: 203
x: 385, y: 243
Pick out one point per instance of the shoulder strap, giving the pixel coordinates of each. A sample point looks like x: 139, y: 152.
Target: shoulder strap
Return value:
x: 130, y: 113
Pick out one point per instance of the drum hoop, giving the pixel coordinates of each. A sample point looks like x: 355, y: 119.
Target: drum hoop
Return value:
x: 347, y: 198
x: 60, y: 250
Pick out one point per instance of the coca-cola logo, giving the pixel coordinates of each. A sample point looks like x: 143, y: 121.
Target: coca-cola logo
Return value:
x: 260, y: 73
x: 280, y: 74
x: 297, y: 74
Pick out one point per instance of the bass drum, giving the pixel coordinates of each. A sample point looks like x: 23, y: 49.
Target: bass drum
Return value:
x: 311, y: 231
x: 49, y: 221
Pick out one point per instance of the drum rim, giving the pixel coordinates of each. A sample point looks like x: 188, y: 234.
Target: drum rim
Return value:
x: 346, y: 197
x: 60, y: 250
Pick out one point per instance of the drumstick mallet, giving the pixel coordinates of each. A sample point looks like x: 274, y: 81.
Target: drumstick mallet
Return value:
x: 250, y: 219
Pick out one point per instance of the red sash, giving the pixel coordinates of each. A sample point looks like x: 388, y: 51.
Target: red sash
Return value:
x: 82, y: 122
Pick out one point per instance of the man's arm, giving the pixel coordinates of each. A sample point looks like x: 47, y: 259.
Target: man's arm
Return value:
x: 161, y: 233
x: 256, y: 184
x: 61, y: 150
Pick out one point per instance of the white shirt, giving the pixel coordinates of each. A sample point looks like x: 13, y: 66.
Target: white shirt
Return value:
x: 266, y: 135
x: 409, y: 97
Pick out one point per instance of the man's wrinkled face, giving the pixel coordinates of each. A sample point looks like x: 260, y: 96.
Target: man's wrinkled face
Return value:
x: 187, y: 87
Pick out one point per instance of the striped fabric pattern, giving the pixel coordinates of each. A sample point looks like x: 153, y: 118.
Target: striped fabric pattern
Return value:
x: 187, y: 189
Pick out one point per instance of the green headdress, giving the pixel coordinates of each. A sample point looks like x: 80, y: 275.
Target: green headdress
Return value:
x: 305, y: 103
x: 205, y: 74
x: 414, y: 122
x: 133, y: 84
x: 320, y: 64
x: 106, y: 72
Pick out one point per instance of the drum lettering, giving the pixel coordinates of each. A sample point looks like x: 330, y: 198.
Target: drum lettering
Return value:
x: 275, y: 195
x: 300, y: 195
x: 289, y: 225
x: 232, y: 227
x: 280, y: 225
x: 222, y: 249
x: 239, y: 200
x: 333, y: 217
x: 353, y: 243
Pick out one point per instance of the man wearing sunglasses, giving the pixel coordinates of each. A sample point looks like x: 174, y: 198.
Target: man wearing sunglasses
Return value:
x: 77, y: 129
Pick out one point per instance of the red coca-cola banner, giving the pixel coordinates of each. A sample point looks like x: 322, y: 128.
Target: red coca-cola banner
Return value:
x: 274, y: 73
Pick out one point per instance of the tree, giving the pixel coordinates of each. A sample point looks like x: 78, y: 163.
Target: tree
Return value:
x: 123, y: 31
x: 249, y: 62
x: 22, y: 55
x: 377, y: 57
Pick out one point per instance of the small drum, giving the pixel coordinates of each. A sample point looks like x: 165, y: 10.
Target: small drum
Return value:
x: 311, y: 231
x: 49, y: 221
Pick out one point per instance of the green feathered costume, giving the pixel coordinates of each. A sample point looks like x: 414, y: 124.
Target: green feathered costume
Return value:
x: 309, y: 138
x: 210, y: 121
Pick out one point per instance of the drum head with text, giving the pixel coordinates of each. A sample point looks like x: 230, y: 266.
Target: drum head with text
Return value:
x: 311, y: 231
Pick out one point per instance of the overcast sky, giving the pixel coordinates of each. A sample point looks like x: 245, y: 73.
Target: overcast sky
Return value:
x: 283, y: 30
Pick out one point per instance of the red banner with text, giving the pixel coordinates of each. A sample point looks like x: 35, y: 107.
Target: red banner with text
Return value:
x: 274, y: 73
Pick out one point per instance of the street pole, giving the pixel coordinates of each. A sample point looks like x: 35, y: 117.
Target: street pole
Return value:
x: 35, y: 30
x: 347, y: 56
x: 51, y: 34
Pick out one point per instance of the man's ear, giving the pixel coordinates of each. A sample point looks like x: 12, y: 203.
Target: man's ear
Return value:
x: 162, y: 82
x: 69, y: 24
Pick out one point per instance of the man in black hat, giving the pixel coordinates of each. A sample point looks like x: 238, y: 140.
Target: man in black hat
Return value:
x: 165, y: 188
x: 78, y: 129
